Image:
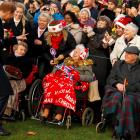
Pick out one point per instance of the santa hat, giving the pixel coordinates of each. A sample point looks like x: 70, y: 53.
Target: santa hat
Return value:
x: 122, y: 22
x: 56, y: 26
x: 118, y: 17
x: 84, y: 52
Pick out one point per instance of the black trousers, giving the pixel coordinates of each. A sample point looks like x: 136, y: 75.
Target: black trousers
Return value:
x: 3, y: 104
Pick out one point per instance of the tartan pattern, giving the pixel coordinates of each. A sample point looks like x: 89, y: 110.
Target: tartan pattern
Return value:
x: 126, y: 111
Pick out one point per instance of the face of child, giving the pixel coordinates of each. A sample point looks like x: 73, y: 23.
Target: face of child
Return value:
x: 84, y: 15
x: 20, y: 51
x: 101, y: 24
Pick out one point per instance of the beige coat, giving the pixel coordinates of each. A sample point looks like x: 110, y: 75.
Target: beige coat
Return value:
x: 120, y: 45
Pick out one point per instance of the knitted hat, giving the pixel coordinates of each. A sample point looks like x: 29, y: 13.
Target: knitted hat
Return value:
x: 87, y: 10
x: 122, y: 22
x: 56, y: 26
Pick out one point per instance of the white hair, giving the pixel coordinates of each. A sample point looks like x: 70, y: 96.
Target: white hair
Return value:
x: 45, y: 15
x: 132, y: 26
x: 82, y: 49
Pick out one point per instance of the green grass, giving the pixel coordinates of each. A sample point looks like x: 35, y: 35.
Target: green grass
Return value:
x: 52, y: 132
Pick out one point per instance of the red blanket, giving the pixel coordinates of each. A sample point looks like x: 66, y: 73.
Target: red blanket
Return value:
x: 59, y: 90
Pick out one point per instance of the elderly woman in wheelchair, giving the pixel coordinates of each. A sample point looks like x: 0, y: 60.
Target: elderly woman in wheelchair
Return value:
x: 19, y: 73
x: 59, y: 86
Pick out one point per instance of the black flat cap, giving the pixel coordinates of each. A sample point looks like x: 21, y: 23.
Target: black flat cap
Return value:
x: 132, y: 49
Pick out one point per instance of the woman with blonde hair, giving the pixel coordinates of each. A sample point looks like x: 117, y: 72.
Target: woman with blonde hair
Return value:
x: 18, y: 28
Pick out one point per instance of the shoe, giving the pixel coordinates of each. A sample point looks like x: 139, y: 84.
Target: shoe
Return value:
x: 56, y: 121
x: 4, y: 132
x: 43, y: 119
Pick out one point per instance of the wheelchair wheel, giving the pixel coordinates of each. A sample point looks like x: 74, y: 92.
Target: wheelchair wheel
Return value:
x: 100, y: 127
x: 68, y: 122
x: 87, y: 117
x: 21, y: 115
x: 35, y: 95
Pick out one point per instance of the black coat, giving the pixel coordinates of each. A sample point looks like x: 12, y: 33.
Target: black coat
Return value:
x: 23, y: 63
x: 17, y: 30
x: 5, y: 87
x: 108, y: 13
x: 100, y: 56
x: 65, y: 47
x: 122, y: 70
x: 37, y: 50
x: 1, y: 37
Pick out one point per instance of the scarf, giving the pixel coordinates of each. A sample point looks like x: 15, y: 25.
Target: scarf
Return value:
x: 55, y: 40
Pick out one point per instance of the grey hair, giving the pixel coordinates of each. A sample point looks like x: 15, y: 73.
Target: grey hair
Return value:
x: 45, y: 15
x: 133, y: 26
x: 82, y: 49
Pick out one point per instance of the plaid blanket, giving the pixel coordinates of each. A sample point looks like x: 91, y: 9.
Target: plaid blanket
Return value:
x: 126, y: 110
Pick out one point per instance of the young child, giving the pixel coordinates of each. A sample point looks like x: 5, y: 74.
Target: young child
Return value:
x: 18, y: 63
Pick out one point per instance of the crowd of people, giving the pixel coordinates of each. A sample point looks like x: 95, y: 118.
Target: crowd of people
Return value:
x: 93, y: 41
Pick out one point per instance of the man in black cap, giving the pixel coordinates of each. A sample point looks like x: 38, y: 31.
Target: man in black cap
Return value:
x: 122, y: 96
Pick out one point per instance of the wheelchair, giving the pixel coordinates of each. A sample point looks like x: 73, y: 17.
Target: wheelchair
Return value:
x: 83, y: 112
x: 21, y: 113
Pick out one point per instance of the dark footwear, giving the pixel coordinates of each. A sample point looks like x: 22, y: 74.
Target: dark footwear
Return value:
x: 56, y: 121
x: 4, y: 132
x: 43, y: 119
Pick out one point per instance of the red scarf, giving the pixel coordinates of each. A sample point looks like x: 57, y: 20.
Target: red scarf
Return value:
x: 55, y: 40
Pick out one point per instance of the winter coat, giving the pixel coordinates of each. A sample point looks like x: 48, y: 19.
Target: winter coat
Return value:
x: 37, y: 50
x: 18, y: 30
x: 100, y: 56
x: 5, y: 87
x: 76, y: 31
x: 121, y: 70
x: 67, y: 44
x: 120, y: 45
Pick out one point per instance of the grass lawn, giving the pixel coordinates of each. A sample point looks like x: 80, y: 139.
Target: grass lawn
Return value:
x: 52, y: 132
